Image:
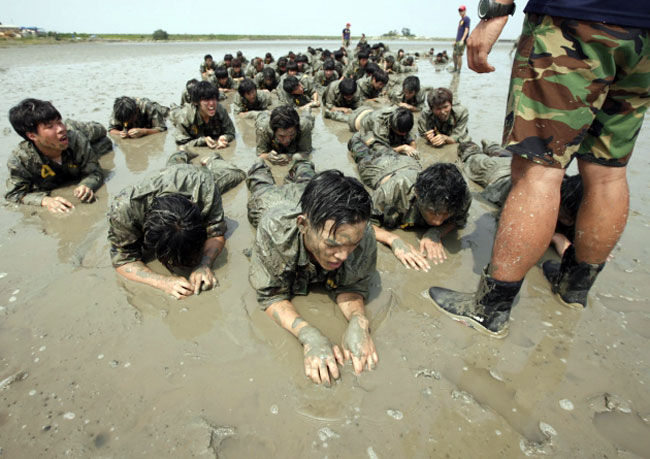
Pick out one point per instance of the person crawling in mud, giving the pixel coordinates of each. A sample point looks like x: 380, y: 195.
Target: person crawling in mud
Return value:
x: 135, y: 117
x: 53, y: 154
x: 175, y: 216
x: 324, y: 239
x: 283, y: 134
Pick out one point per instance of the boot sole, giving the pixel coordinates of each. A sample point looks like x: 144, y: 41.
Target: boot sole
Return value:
x: 471, y: 323
x: 574, y: 306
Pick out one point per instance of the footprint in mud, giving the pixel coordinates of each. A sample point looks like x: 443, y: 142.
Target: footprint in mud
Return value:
x: 622, y: 426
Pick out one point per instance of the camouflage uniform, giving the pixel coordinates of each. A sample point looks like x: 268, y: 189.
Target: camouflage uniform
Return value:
x: 95, y: 133
x: 455, y: 126
x: 396, y: 96
x: 297, y: 101
x: 226, y: 175
x: 32, y: 175
x: 590, y: 99
x: 233, y: 75
x: 129, y: 209
x: 265, y: 194
x: 321, y: 81
x: 375, y: 130
x: 281, y: 268
x: 191, y: 130
x: 204, y: 67
x: 266, y: 138
x: 491, y: 171
x: 394, y: 201
x: 241, y: 104
x: 151, y: 115
x: 354, y: 70
x: 185, y: 97
x: 333, y: 98
x: 259, y: 82
x: 366, y: 88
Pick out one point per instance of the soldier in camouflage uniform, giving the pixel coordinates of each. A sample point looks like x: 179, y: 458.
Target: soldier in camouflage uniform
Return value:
x: 283, y: 134
x: 249, y: 102
x: 357, y: 69
x: 371, y: 87
x: 324, y: 77
x: 410, y: 95
x: 298, y: 93
x: 186, y: 98
x: 255, y: 67
x: 175, y: 215
x: 207, y: 67
x: 135, y: 117
x: 324, y: 239
x: 236, y: 72
x: 205, y: 122
x: 94, y: 132
x: 442, y: 122
x: 381, y: 130
x: 223, y: 82
x: 341, y: 98
x: 267, y: 79
x: 580, y: 86
x: 52, y: 156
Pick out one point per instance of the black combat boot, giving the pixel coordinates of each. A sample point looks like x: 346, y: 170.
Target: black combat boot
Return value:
x: 570, y: 280
x: 486, y: 311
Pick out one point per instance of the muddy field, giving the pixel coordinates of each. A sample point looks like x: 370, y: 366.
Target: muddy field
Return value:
x: 93, y: 366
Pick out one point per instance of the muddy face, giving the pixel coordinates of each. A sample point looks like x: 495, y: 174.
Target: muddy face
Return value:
x: 329, y: 249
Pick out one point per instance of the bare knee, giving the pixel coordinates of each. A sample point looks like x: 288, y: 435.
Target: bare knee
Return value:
x: 526, y: 172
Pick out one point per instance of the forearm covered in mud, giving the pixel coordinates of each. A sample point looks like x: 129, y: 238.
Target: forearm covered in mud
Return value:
x: 137, y: 271
x: 351, y: 304
x: 284, y: 314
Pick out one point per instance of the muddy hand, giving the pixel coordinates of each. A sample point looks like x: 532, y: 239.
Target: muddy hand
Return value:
x: 320, y: 356
x: 358, y: 345
x: 408, y: 256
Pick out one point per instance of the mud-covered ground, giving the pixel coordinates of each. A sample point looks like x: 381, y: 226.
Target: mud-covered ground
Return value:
x: 93, y: 366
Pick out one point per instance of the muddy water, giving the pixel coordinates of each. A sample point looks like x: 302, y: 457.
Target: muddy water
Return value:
x: 98, y: 367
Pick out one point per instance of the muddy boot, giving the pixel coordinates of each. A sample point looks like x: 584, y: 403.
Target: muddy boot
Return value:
x: 467, y: 149
x: 494, y: 150
x: 571, y: 280
x: 486, y: 311
x: 336, y: 116
x: 302, y: 170
x: 358, y: 148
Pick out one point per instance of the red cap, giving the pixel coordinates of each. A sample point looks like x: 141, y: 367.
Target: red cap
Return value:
x: 462, y: 8
x: 348, y: 24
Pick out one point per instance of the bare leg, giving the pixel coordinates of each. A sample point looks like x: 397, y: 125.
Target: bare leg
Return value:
x: 528, y: 219
x: 603, y: 211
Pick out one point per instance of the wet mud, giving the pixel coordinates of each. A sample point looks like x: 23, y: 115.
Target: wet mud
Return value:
x: 94, y: 366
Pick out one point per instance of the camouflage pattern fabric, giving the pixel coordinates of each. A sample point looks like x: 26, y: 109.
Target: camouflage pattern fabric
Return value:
x: 261, y: 84
x: 151, y: 115
x: 94, y: 132
x: 578, y: 88
x: 375, y: 127
x: 321, y: 81
x: 33, y: 175
x: 455, y: 126
x: 367, y: 90
x: 333, y: 98
x: 490, y: 171
x: 396, y: 96
x: 301, y: 100
x: 129, y: 209
x: 266, y: 138
x: 242, y: 105
x: 191, y: 130
x: 226, y: 175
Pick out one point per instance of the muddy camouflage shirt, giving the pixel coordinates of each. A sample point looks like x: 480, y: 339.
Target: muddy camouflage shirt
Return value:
x: 33, y: 175
x: 151, y: 115
x: 334, y: 98
x: 130, y: 207
x: 455, y: 126
x: 266, y: 138
x: 191, y: 130
x: 281, y: 268
x: 242, y: 105
x: 376, y: 127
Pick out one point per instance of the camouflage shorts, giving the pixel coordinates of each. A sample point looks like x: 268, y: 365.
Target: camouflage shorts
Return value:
x: 578, y: 88
x: 459, y: 48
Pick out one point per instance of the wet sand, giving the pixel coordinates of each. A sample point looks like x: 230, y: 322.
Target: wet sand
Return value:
x: 94, y: 366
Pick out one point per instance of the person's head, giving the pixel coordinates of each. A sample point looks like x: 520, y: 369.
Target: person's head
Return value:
x: 258, y: 63
x: 328, y: 68
x: 311, y: 50
x: 190, y: 84
x: 363, y: 58
x: 390, y: 61
x: 247, y: 90
x: 347, y: 25
x: 327, y: 54
x: 301, y: 60
x: 348, y: 87
x: 207, y: 59
x: 408, y: 61
x: 205, y: 96
x: 439, y: 57
x: 440, y: 192
x: 363, y: 36
x: 125, y: 109
x: 401, y: 121
x: 285, y: 124
x: 174, y: 232
x: 292, y: 86
x: 440, y: 101
x: 240, y: 55
x: 338, y: 55
x: 236, y: 64
x: 40, y: 123
x: 379, y: 79
x: 570, y: 199
x: 400, y: 53
x: 371, y: 68
x: 411, y: 86
x: 268, y: 74
x: 221, y: 74
x: 268, y: 58
x: 291, y: 55
x: 227, y: 59
x: 292, y: 68
x: 462, y: 10
x: 334, y: 214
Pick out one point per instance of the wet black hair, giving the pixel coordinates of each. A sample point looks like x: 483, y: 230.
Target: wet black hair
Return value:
x: 301, y: 58
x: 268, y: 73
x: 338, y: 54
x: 125, y: 109
x: 402, y: 120
x: 390, y: 59
x: 348, y: 86
x: 439, y: 96
x: 290, y: 84
x: 441, y: 188
x: 363, y: 55
x: 191, y: 83
x: 220, y: 72
x: 371, y: 68
x: 204, y: 91
x: 326, y: 54
x: 235, y: 63
x: 173, y: 231
x: 408, y: 60
x: 227, y: 57
x: 571, y: 192
x: 282, y: 62
x: 329, y: 65
x: 284, y: 117
x: 257, y: 61
x: 246, y: 85
x: 292, y: 65
x: 268, y: 56
x: 380, y: 75
x: 207, y: 56
x: 29, y: 113
x: 330, y: 195
x: 311, y: 50
x: 411, y: 83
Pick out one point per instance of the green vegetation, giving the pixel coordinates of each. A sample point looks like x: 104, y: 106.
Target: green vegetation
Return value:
x: 160, y: 34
